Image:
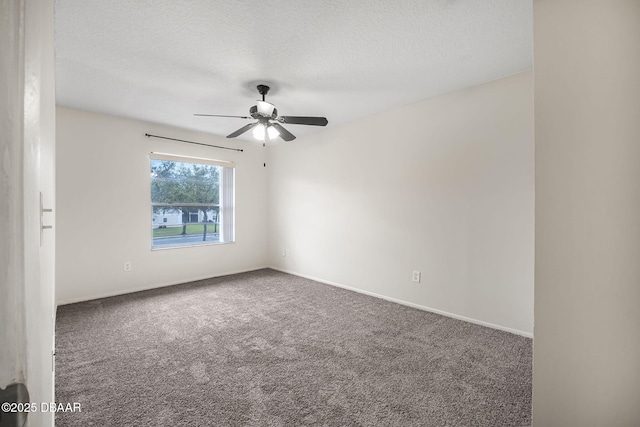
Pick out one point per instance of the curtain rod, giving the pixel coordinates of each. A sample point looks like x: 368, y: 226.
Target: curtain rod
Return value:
x: 191, y: 142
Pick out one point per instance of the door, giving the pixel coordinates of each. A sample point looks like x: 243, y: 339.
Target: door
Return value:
x: 27, y: 169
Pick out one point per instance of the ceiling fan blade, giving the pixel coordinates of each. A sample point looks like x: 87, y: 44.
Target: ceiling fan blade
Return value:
x: 297, y: 120
x: 284, y: 134
x: 242, y: 130
x: 220, y: 115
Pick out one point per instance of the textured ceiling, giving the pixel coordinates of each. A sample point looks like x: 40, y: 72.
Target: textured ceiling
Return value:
x: 163, y: 60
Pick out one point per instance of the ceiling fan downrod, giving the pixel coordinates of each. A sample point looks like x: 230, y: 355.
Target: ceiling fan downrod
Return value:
x: 263, y: 90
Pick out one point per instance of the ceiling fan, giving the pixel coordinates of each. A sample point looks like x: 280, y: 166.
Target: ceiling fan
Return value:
x: 267, y: 126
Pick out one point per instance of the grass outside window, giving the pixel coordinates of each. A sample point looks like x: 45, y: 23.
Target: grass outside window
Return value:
x: 192, y: 229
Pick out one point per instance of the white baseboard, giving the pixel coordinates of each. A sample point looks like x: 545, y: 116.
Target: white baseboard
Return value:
x: 147, y: 288
x: 410, y: 304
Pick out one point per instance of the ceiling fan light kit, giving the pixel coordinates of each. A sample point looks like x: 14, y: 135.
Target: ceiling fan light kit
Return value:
x: 268, y: 121
x: 259, y: 132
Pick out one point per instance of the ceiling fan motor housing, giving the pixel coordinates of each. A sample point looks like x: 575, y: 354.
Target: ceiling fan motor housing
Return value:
x: 253, y: 111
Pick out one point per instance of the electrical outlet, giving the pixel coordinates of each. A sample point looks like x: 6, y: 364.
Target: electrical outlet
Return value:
x: 287, y: 252
x: 127, y: 266
x: 284, y: 253
x: 416, y: 276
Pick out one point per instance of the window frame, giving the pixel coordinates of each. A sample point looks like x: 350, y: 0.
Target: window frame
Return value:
x: 224, y: 209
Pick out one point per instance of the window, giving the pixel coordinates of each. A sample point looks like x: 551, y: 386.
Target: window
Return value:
x: 192, y: 201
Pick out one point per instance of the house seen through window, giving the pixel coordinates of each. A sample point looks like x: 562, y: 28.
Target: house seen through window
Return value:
x: 192, y: 201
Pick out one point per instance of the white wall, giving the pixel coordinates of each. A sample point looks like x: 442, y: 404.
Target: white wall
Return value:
x: 444, y: 186
x: 103, y: 203
x: 587, y: 291
x: 27, y: 154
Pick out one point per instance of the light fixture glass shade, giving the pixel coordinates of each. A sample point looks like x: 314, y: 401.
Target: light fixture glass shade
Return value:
x: 265, y: 108
x: 258, y: 132
x: 273, y: 132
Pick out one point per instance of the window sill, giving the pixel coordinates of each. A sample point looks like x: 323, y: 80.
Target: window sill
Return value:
x: 195, y: 245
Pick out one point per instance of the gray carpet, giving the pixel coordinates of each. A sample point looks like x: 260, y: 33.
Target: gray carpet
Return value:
x: 269, y: 349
